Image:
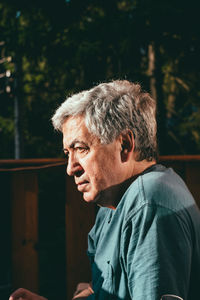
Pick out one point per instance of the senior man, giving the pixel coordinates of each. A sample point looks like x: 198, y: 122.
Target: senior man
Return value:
x: 146, y: 239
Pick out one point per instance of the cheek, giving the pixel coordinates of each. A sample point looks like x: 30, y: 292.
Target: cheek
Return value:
x: 102, y: 170
x: 97, y: 174
x: 103, y: 176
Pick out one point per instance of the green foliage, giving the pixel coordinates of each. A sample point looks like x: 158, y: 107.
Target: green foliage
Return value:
x: 63, y: 47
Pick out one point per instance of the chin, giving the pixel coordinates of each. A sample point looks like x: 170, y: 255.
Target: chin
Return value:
x: 90, y: 198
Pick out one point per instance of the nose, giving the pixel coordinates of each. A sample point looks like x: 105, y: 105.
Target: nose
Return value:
x: 73, y: 165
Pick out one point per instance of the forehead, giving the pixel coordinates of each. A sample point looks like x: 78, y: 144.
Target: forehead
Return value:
x: 74, y: 129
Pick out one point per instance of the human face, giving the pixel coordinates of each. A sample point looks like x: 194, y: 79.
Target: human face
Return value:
x: 95, y: 167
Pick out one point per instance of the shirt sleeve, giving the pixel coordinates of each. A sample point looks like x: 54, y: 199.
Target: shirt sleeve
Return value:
x: 156, y: 253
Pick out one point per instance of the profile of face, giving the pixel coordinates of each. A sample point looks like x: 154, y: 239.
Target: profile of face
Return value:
x: 96, y: 167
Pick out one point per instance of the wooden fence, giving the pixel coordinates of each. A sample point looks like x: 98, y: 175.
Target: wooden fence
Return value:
x: 20, y: 186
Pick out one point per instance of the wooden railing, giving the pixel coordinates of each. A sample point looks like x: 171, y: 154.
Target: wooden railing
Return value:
x: 20, y: 186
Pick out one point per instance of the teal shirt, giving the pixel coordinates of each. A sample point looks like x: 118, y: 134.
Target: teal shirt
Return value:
x: 149, y: 245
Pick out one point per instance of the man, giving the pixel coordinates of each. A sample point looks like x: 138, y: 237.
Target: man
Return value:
x: 146, y: 239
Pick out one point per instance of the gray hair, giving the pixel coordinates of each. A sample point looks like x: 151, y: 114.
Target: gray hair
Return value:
x: 112, y: 108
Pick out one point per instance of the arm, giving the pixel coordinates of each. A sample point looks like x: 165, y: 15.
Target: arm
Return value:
x: 25, y: 295
x: 157, y: 254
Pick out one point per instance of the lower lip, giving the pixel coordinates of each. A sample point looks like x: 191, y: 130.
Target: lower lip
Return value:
x: 81, y: 187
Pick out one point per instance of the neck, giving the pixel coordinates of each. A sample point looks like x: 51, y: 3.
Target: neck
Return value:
x: 111, y: 197
x: 139, y: 167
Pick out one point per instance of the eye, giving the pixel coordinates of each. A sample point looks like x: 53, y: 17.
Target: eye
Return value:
x: 81, y: 149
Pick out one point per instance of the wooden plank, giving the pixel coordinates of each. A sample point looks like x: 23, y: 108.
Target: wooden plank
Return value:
x: 24, y: 214
x: 30, y: 161
x: 12, y: 165
x: 80, y: 218
x: 5, y: 230
x: 179, y: 158
x: 192, y: 178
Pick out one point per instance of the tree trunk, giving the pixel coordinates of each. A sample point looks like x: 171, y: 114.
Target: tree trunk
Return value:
x: 151, y: 71
x: 155, y: 83
x: 17, y: 120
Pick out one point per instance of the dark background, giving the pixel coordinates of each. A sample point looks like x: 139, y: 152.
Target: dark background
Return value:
x: 61, y: 47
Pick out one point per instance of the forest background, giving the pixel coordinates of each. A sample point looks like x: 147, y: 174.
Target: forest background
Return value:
x: 52, y: 49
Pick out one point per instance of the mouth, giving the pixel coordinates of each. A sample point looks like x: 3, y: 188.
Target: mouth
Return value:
x: 81, y: 186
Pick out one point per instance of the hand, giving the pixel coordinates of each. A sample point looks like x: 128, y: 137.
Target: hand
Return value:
x: 83, y: 290
x: 23, y: 294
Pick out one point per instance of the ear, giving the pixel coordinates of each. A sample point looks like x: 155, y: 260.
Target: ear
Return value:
x: 127, y: 145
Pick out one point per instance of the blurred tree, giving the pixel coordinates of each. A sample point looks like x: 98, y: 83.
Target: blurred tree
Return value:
x: 65, y: 46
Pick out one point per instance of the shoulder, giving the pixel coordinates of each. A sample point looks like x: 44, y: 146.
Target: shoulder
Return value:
x: 162, y: 186
x: 165, y: 188
x: 161, y: 190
